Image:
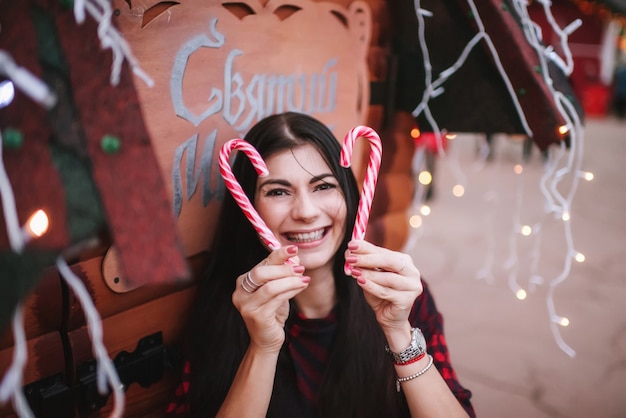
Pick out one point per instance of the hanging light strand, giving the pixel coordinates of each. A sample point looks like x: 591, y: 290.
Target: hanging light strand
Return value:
x: 109, y: 36
x: 512, y: 263
x: 433, y: 89
x: 106, y: 372
x: 556, y: 202
x: 11, y: 385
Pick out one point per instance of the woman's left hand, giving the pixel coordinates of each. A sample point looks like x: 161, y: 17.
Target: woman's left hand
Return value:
x: 389, y: 279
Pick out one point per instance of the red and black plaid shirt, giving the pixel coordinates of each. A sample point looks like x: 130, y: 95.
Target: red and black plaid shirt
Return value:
x: 309, y: 341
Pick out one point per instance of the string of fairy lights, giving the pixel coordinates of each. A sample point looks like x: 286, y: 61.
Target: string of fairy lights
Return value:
x: 110, y: 38
x: 562, y: 169
x: 563, y: 164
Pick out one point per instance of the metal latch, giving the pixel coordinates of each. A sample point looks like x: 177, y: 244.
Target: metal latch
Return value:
x: 53, y: 397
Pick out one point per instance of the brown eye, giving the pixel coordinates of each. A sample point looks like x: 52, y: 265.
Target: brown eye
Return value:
x: 276, y: 192
x: 326, y: 186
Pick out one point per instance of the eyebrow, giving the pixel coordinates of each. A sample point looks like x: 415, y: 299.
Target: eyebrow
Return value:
x: 285, y: 183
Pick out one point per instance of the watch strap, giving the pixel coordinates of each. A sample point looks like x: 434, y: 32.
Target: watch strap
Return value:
x: 417, y: 348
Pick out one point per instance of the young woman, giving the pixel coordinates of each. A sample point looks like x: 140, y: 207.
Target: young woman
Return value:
x: 286, y: 333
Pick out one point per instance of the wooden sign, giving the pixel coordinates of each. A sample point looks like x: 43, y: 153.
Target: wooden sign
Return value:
x: 219, y: 67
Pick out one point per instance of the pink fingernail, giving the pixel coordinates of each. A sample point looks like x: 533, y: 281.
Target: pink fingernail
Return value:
x: 351, y: 259
x: 292, y: 250
x: 353, y: 245
x: 361, y: 280
x: 356, y: 272
x: 298, y: 269
x: 306, y: 279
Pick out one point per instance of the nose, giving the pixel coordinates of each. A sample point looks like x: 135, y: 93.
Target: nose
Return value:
x: 305, y: 208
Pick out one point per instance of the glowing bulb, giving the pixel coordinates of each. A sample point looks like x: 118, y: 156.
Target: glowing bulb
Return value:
x: 415, y: 221
x: 450, y: 136
x: 518, y: 169
x: 563, y: 129
x: 415, y: 133
x: 425, y: 178
x: 7, y: 93
x: 521, y: 294
x: 565, y: 216
x: 526, y: 230
x: 580, y: 257
x: 563, y: 322
x: 458, y: 190
x: 588, y: 176
x: 425, y: 210
x: 38, y: 223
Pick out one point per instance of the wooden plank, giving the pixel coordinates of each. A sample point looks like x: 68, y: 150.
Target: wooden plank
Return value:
x: 45, y: 358
x: 43, y: 310
x: 107, y: 302
x: 168, y: 314
x: 42, y: 323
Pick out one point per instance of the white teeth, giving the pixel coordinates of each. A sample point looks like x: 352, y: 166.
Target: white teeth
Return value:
x: 306, y: 237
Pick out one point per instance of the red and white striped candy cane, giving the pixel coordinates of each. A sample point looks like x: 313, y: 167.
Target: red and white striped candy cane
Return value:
x: 237, y: 192
x: 371, y: 176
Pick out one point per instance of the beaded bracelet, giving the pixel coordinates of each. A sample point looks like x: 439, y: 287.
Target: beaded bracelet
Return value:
x: 413, y: 376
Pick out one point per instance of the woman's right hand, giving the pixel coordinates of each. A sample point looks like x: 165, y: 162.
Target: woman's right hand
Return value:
x: 262, y: 296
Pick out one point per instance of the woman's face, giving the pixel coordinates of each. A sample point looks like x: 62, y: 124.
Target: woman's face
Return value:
x: 302, y: 204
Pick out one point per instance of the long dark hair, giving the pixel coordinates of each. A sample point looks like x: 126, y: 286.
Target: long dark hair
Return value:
x: 359, y: 381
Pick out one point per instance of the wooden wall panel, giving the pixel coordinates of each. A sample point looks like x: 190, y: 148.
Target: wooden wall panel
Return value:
x: 167, y: 314
x: 45, y: 359
x: 43, y: 310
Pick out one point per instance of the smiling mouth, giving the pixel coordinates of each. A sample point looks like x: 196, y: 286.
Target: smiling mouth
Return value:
x: 306, y: 236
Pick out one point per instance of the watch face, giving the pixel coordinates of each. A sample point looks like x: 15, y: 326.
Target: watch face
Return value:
x: 421, y: 341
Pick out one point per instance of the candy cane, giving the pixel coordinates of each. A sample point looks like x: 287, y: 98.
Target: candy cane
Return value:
x: 371, y: 176
x: 237, y: 192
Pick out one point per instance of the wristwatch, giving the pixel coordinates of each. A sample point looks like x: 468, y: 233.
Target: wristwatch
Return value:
x: 416, y: 349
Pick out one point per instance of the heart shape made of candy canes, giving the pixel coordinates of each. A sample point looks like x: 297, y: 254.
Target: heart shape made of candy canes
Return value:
x: 367, y: 192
